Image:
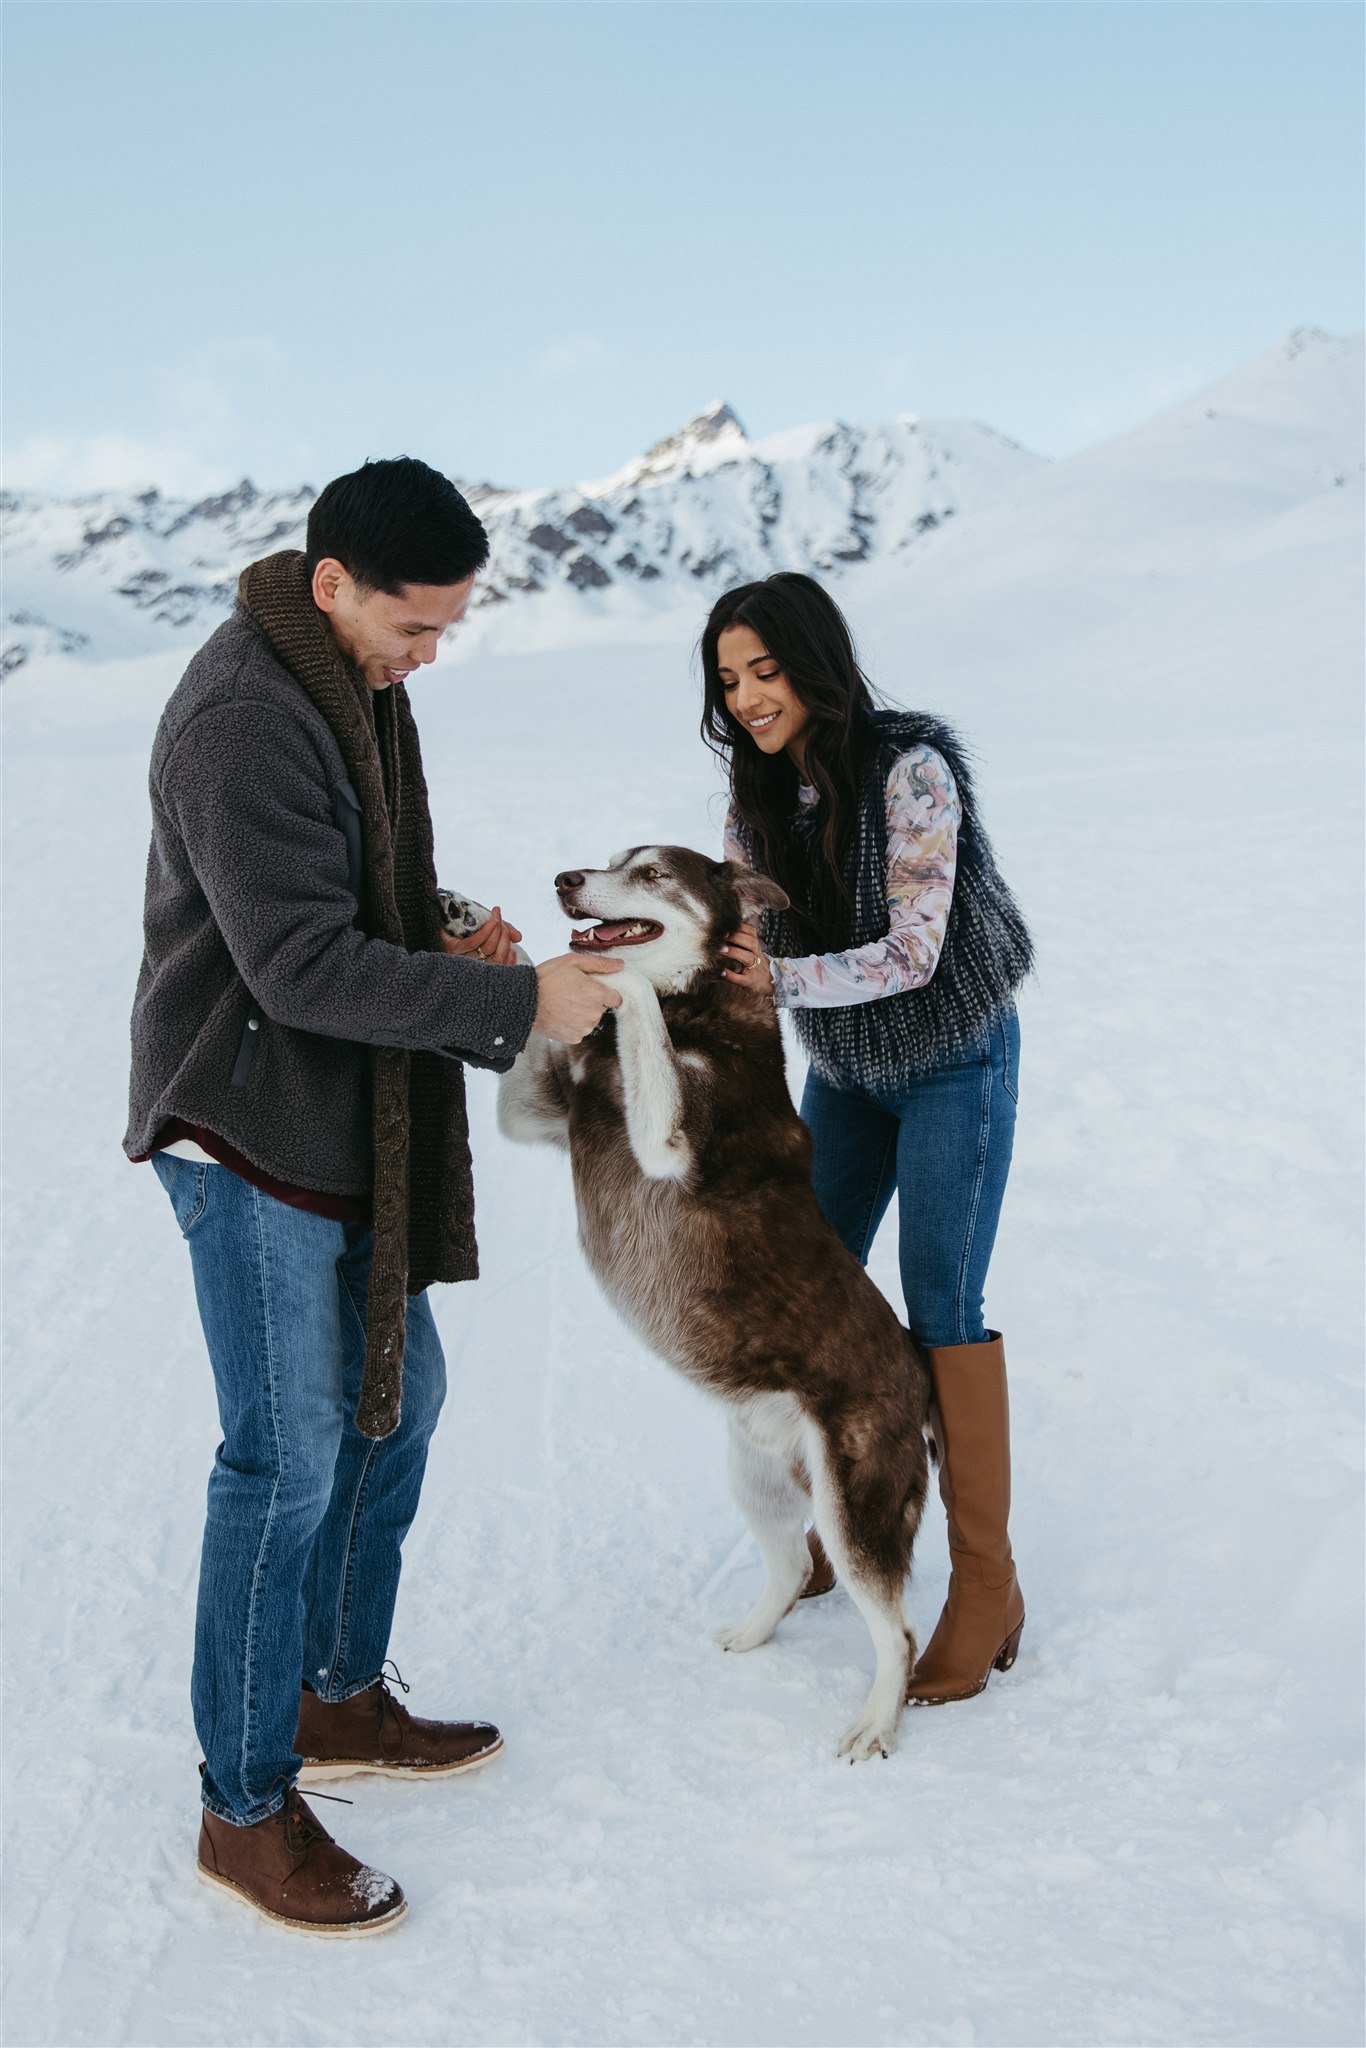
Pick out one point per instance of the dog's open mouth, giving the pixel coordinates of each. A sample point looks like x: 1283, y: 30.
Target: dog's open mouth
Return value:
x: 605, y: 938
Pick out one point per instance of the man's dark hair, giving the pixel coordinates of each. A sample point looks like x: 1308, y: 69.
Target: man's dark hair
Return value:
x: 396, y: 522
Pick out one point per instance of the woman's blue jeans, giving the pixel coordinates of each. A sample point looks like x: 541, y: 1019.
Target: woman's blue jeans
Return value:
x: 300, y: 1565
x: 942, y: 1145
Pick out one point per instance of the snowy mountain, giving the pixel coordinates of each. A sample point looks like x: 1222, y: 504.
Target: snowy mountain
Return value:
x: 124, y: 573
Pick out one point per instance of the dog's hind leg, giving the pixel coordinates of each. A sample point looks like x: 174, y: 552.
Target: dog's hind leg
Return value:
x: 775, y: 1508
x: 875, y: 1590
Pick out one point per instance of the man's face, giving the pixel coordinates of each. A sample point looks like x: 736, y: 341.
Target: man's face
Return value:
x: 386, y: 637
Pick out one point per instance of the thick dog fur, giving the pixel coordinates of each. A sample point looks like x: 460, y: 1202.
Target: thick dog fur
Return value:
x: 692, y: 1172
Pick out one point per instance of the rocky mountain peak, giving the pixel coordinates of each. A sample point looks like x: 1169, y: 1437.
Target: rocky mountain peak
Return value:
x: 715, y: 425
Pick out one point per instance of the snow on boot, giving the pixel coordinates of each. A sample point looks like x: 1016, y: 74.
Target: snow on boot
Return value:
x: 372, y: 1731
x: 289, y: 1868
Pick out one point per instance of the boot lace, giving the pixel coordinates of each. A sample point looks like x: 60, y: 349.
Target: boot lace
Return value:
x: 389, y: 1707
x: 302, y: 1828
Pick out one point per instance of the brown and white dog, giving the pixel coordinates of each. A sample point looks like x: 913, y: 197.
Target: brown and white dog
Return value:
x: 692, y: 1172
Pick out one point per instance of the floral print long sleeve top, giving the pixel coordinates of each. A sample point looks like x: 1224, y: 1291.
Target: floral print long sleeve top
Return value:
x: 923, y: 816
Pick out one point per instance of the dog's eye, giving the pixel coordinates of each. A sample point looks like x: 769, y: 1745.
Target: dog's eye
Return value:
x: 648, y: 874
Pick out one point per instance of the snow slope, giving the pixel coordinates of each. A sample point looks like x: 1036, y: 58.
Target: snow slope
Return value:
x: 1148, y: 1832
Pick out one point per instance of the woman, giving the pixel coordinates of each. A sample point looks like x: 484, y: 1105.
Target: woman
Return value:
x: 898, y: 958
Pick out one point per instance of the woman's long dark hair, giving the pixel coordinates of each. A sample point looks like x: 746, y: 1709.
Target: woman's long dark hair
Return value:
x: 805, y: 632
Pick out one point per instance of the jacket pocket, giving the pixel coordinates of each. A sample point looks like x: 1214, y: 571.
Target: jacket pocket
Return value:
x: 347, y: 813
x: 246, y: 1051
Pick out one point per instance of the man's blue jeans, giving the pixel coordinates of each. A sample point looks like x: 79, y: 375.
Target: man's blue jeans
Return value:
x: 306, y: 1516
x: 942, y: 1145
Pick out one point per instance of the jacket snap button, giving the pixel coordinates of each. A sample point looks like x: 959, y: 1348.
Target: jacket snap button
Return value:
x: 253, y: 1023
x: 497, y: 1041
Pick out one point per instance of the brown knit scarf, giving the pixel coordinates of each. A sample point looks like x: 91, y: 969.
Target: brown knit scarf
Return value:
x: 422, y: 1192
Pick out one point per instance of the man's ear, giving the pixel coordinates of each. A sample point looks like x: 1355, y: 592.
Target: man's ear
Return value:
x: 328, y: 577
x: 757, y: 892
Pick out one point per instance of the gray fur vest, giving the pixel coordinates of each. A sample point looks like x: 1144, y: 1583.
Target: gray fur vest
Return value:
x: 986, y: 952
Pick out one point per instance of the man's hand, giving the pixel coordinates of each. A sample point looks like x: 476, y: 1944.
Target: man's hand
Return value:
x: 571, y: 999
x: 493, y: 941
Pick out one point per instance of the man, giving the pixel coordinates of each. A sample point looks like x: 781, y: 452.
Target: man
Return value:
x: 298, y: 1031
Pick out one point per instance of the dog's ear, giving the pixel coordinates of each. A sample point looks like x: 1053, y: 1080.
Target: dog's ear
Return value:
x: 757, y: 892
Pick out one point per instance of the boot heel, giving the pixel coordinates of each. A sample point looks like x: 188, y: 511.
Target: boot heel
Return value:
x: 1009, y: 1650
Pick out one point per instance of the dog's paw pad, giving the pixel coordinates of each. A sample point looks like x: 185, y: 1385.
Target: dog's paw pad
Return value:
x: 459, y: 914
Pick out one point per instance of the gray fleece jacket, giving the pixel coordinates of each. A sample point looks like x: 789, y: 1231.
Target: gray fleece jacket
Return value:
x: 258, y: 992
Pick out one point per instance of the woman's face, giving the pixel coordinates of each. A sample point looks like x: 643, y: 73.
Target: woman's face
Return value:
x: 758, y: 694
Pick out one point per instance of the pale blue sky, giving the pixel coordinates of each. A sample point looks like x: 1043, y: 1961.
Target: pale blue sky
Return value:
x: 523, y: 240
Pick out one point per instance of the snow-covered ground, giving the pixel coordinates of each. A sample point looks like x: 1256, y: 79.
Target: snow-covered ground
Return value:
x: 1149, y: 1831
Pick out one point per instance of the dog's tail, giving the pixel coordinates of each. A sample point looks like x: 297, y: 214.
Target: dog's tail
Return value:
x: 920, y: 1368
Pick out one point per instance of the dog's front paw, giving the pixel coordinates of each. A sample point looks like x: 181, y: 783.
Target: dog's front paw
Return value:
x: 744, y: 1636
x: 869, y: 1736
x: 460, y: 915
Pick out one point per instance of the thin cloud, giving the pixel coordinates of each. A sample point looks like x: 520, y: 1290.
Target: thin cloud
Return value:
x: 575, y: 356
x: 74, y: 465
x: 195, y: 446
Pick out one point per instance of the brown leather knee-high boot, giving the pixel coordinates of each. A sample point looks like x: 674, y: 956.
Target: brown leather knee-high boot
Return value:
x: 979, y: 1629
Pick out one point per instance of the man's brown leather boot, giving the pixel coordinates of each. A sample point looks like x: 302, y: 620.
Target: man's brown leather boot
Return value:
x: 372, y: 1731
x: 979, y: 1629
x: 290, y: 1869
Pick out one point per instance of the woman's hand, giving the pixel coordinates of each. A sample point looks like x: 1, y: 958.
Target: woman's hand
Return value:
x: 744, y: 960
x: 493, y: 941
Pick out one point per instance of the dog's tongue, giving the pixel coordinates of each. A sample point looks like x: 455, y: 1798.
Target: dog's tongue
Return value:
x: 607, y: 934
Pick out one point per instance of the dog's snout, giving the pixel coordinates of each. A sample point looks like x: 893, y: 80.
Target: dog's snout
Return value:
x: 568, y: 880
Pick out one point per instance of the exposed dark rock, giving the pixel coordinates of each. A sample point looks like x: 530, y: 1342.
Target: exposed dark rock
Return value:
x: 590, y: 521
x: 856, y: 549
x: 113, y: 529
x: 718, y: 419
x: 550, y: 540
x: 145, y: 587
x: 238, y: 499
x: 586, y: 574
x: 15, y: 653
x: 709, y: 564
x: 768, y: 498
x: 181, y: 605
